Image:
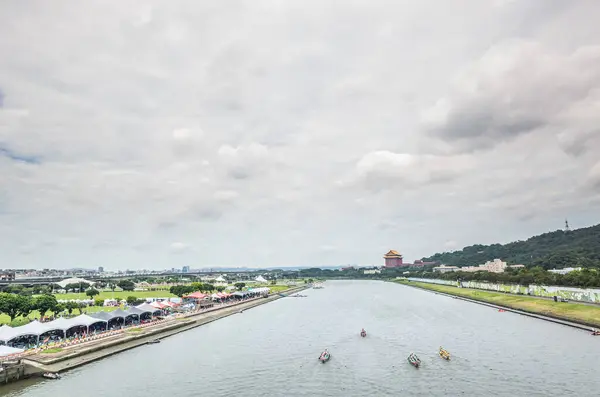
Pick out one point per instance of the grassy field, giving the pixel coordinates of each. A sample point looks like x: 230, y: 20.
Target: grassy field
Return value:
x: 148, y: 294
x: 277, y: 288
x: 575, y: 312
x: 4, y: 319
x: 119, y: 295
x: 52, y: 350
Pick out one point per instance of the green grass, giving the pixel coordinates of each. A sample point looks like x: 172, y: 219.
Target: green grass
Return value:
x: 276, y: 288
x: 52, y: 350
x: 575, y: 312
x: 119, y: 295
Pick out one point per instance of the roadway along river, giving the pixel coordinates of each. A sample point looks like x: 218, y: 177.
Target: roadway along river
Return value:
x: 272, y: 350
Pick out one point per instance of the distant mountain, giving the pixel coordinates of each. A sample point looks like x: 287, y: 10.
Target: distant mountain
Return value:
x: 559, y: 249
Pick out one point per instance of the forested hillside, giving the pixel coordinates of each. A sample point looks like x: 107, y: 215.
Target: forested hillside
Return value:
x: 559, y: 249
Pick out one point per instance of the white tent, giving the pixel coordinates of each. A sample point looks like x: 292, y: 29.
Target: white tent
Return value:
x: 83, y: 320
x: 75, y: 280
x: 60, y: 324
x: 32, y: 328
x: 6, y: 333
x: 260, y: 290
x: 260, y: 279
x: 148, y: 308
x: 7, y: 350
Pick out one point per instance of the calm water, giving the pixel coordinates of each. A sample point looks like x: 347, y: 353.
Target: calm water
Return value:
x: 272, y: 350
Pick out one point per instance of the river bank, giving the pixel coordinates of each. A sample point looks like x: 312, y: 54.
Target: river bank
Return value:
x: 571, y: 314
x: 85, y: 353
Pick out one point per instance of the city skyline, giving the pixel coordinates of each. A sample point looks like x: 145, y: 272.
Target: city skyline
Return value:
x: 265, y: 134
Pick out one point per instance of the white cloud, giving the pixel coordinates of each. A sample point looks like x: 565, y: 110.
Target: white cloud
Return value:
x: 450, y: 245
x: 226, y: 195
x: 384, y: 169
x: 179, y: 247
x: 594, y: 177
x: 128, y: 129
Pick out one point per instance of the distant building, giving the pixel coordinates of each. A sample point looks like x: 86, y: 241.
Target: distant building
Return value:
x: 7, y: 276
x: 393, y: 259
x: 372, y: 271
x: 565, y: 270
x: 185, y: 269
x: 495, y: 266
x: 517, y: 266
x: 100, y: 269
x: 445, y: 269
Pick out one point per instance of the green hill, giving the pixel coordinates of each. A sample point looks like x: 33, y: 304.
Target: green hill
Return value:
x: 559, y: 249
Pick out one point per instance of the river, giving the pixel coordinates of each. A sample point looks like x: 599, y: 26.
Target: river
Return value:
x: 272, y: 350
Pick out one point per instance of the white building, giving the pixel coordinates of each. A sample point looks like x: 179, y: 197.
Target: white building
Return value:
x: 372, y: 271
x: 445, y: 269
x: 565, y: 270
x: 495, y: 266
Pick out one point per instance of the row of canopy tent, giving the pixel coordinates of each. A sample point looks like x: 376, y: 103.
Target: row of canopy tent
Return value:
x: 37, y: 329
x: 81, y: 323
x: 221, y: 295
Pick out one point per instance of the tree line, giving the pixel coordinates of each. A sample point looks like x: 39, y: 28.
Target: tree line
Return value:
x: 182, y: 290
x: 15, y: 305
x: 553, y: 250
x: 585, y: 278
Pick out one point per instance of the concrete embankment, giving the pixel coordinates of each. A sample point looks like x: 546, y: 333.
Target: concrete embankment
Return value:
x: 92, y: 351
x: 555, y: 319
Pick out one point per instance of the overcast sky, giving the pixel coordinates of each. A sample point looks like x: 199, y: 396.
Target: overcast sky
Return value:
x: 155, y: 134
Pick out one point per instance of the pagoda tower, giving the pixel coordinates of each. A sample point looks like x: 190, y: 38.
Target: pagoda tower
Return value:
x: 393, y: 259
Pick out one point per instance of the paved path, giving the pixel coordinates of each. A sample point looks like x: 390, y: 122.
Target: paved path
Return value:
x: 510, y: 293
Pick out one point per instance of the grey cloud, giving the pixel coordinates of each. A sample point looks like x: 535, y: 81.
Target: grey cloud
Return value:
x: 11, y: 154
x: 281, y: 126
x: 515, y: 88
x: 593, y: 177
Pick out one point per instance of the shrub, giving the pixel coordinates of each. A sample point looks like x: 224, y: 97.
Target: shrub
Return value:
x: 17, y: 322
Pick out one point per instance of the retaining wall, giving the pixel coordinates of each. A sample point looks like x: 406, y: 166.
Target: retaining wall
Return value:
x: 571, y: 293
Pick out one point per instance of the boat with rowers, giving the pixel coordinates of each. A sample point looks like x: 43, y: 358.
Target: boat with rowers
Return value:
x: 325, y: 356
x: 445, y: 354
x: 51, y: 375
x: 414, y: 360
x: 363, y: 333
